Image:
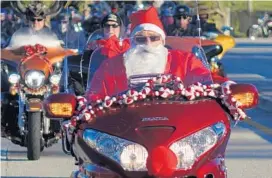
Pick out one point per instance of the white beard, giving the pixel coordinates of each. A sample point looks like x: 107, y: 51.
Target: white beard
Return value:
x: 143, y: 59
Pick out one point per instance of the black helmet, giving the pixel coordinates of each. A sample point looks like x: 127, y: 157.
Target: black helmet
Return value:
x: 37, y: 9
x: 92, y: 24
x: 112, y: 17
x: 183, y: 10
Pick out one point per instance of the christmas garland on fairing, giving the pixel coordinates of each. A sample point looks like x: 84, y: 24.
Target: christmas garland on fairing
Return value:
x: 164, y: 87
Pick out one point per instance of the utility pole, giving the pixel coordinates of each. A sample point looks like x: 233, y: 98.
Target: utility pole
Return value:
x: 250, y: 10
x: 250, y: 6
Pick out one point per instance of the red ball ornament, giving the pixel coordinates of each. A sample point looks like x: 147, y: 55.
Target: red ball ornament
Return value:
x: 140, y: 97
x: 161, y: 162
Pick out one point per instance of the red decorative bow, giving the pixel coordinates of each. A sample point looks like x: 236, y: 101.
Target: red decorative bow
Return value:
x: 35, y: 50
x: 113, y: 46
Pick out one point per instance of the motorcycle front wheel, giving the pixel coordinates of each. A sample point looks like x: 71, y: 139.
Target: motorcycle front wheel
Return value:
x: 254, y: 33
x: 34, y: 136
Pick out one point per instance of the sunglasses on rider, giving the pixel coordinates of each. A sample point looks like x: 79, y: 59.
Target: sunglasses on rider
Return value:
x: 111, y: 25
x: 184, y: 17
x: 144, y: 39
x: 34, y: 19
x: 64, y: 22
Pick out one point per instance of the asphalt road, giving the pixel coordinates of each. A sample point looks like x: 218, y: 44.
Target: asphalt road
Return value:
x: 249, y: 153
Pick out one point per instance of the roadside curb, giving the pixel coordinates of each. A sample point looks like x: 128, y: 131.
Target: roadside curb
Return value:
x: 265, y: 103
x: 250, y: 50
x: 257, y: 41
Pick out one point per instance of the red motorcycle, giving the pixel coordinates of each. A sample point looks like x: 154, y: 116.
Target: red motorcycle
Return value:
x: 157, y: 128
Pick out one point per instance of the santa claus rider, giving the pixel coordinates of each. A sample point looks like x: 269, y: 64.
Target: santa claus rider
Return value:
x: 146, y: 55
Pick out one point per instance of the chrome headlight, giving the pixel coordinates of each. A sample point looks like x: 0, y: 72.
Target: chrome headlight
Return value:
x: 14, y: 78
x: 55, y: 79
x: 34, y: 79
x: 131, y: 156
x: 189, y: 149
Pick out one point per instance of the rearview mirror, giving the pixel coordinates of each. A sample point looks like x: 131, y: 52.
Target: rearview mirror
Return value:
x: 61, y: 105
x: 212, y: 50
x: 246, y: 94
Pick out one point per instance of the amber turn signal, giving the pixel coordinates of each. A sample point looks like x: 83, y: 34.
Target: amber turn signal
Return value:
x: 61, y: 109
x: 61, y: 105
x: 246, y: 94
x: 246, y: 99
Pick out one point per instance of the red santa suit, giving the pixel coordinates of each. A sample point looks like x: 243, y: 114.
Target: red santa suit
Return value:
x: 111, y: 78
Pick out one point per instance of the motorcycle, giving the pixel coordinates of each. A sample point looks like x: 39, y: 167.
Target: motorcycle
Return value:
x: 31, y: 73
x: 153, y: 129
x: 263, y: 29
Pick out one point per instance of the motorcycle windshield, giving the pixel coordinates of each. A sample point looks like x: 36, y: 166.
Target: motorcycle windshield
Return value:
x: 28, y: 36
x: 113, y: 76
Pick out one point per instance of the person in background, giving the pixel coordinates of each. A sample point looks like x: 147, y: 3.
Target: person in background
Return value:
x: 112, y: 43
x: 182, y: 26
x: 129, y: 9
x: 91, y: 25
x: 37, y: 15
x: 167, y: 10
x: 111, y: 25
x: 86, y: 13
x: 110, y: 31
x: 66, y: 32
x: 204, y: 24
x: 6, y: 24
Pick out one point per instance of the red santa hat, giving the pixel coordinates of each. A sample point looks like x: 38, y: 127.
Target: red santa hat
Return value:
x: 146, y: 20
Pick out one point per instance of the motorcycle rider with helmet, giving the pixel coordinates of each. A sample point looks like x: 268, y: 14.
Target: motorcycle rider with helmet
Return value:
x: 112, y: 43
x: 111, y: 29
x: 204, y: 24
x: 37, y: 16
x: 182, y: 23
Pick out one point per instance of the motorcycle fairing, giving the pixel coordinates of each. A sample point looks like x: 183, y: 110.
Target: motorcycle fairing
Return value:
x: 183, y: 119
x: 126, y: 122
x: 54, y: 55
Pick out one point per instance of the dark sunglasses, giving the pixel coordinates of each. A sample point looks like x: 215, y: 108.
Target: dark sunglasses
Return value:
x: 33, y: 20
x: 111, y: 25
x: 184, y: 17
x: 143, y: 39
x: 64, y: 22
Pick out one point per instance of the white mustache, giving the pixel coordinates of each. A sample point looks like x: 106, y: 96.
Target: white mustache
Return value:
x: 148, y: 49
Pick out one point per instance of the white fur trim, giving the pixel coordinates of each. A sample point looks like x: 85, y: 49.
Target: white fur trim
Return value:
x: 148, y: 26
